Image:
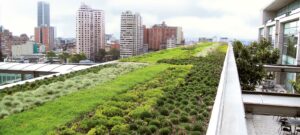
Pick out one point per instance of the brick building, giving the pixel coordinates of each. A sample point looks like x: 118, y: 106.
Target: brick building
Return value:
x: 157, y: 36
x: 7, y: 40
x: 45, y: 35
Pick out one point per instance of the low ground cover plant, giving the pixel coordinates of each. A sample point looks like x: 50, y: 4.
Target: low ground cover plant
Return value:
x: 115, y: 115
x: 36, y: 84
x: 50, y: 115
x: 168, y: 104
x: 21, y: 101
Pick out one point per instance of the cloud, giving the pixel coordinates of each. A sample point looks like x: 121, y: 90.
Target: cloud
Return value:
x: 233, y: 18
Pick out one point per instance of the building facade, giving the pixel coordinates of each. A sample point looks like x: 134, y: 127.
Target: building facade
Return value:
x: 131, y: 35
x: 45, y: 35
x: 280, y: 26
x: 43, y: 14
x: 171, y: 42
x: 7, y: 40
x: 159, y: 34
x: 29, y: 48
x: 90, y: 31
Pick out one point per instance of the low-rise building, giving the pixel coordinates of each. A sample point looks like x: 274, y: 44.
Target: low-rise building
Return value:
x: 280, y: 26
x: 29, y: 48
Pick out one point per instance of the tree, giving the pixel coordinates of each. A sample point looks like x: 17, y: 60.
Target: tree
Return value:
x: 76, y: 58
x: 250, y: 61
x: 100, y: 55
x: 64, y: 56
x: 50, y: 55
x: 115, y: 53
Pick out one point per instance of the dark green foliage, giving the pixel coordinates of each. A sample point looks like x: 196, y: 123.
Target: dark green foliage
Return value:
x: 198, y: 126
x: 153, y: 128
x: 250, y: 61
x: 155, y: 122
x: 144, y: 130
x: 165, y: 131
x: 164, y: 112
x: 133, y: 126
x: 184, y: 118
x: 181, y: 108
x: 76, y: 58
x: 175, y: 121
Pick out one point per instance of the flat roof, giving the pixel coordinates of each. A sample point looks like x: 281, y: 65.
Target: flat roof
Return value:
x: 57, y: 68
x: 277, y: 4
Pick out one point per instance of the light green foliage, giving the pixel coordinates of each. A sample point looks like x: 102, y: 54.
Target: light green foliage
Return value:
x: 136, y: 103
x: 21, y: 101
x: 45, y: 118
x: 181, y: 52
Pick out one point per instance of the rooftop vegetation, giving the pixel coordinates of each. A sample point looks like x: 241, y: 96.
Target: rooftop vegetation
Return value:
x: 171, y: 94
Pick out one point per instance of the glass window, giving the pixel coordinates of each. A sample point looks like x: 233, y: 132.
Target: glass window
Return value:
x: 271, y: 35
x: 290, y: 43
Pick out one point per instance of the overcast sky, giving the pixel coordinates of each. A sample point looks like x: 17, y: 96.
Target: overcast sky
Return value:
x: 199, y: 18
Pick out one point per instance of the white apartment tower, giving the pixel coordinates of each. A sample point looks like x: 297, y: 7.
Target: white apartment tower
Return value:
x: 90, y: 31
x: 131, y: 36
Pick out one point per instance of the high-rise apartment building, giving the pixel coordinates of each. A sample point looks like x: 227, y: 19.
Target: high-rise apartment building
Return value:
x: 90, y: 31
x: 131, y: 36
x: 43, y: 14
x: 44, y: 33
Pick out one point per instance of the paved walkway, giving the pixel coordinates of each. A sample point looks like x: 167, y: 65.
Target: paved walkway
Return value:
x: 207, y: 50
x: 262, y: 125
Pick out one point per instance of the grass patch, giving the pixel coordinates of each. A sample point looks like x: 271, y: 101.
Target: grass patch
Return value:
x: 181, y: 52
x: 45, y: 118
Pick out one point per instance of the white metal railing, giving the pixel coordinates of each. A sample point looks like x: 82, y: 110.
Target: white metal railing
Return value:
x: 228, y: 114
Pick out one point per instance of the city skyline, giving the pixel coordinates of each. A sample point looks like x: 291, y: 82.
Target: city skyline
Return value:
x: 197, y: 17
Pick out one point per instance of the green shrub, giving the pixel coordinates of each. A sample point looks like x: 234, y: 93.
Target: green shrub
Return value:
x: 116, y: 120
x: 165, y: 131
x: 155, y: 122
x: 175, y: 121
x: 87, y: 124
x: 112, y: 111
x: 67, y: 131
x: 198, y: 126
x: 153, y: 128
x: 187, y: 109
x: 187, y: 127
x: 133, y: 126
x: 195, y: 133
x: 99, y: 130
x: 166, y: 123
x: 200, y: 117
x: 160, y: 102
x: 184, y: 118
x: 177, y: 111
x: 164, y: 112
x: 3, y: 113
x: 205, y: 113
x: 119, y: 129
x: 193, y: 112
x: 144, y: 130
